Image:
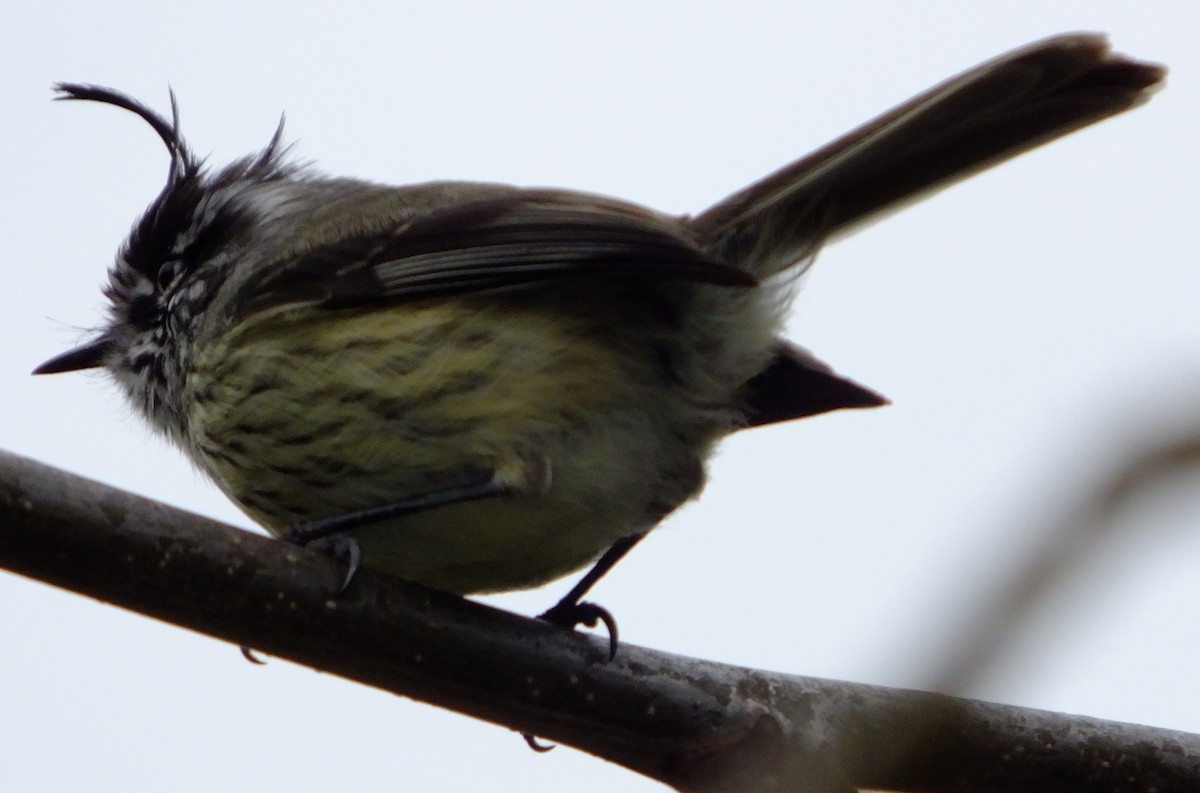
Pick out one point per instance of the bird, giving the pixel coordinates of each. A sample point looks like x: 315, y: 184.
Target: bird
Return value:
x: 479, y: 387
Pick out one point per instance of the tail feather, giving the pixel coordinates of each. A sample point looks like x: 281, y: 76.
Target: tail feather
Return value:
x: 967, y: 124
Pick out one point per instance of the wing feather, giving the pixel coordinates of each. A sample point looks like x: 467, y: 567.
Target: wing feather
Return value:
x: 496, y: 242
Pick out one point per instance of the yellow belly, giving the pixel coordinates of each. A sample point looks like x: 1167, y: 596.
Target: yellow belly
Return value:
x: 303, y: 415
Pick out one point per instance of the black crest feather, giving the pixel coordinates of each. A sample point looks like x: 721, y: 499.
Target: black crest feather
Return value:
x: 182, y: 159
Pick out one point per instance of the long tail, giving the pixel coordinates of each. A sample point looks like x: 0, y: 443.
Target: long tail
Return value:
x: 971, y: 122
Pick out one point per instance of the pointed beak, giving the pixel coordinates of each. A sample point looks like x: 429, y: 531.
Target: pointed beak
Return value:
x: 85, y: 356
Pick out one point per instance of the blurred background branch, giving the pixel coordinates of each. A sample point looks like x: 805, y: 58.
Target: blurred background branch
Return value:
x: 1065, y: 543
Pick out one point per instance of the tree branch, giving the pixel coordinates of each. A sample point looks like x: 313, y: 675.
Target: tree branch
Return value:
x: 693, y: 724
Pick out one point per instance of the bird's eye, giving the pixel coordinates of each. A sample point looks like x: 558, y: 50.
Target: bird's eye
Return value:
x: 167, y: 273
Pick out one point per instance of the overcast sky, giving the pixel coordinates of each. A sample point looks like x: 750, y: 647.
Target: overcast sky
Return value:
x: 1031, y: 327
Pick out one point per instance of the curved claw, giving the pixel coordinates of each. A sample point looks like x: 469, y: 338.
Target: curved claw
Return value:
x: 249, y: 655
x: 343, y: 548
x: 353, y: 559
x: 533, y: 743
x: 568, y: 615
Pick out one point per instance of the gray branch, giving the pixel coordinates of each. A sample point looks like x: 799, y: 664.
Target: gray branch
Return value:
x: 693, y: 724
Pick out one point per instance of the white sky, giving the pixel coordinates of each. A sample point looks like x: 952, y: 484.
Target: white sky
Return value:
x: 1029, y: 326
